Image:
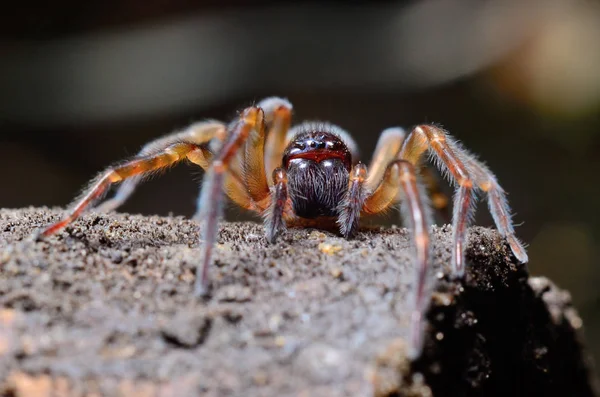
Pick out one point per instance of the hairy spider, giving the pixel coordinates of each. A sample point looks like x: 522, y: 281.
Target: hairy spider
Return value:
x: 315, y: 180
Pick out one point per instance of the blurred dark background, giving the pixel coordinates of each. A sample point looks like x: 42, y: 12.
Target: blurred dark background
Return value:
x: 83, y: 84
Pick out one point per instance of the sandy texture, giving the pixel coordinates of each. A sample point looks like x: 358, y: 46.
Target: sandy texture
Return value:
x: 107, y: 307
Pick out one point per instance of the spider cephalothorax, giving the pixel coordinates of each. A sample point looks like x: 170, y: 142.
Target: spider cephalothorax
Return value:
x: 309, y: 172
x: 317, y: 162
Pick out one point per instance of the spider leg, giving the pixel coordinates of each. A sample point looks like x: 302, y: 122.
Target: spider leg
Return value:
x: 199, y: 133
x: 439, y: 200
x: 470, y: 175
x: 274, y: 216
x: 253, y: 187
x: 498, y: 207
x: 132, y: 168
x: 400, y: 176
x: 255, y: 178
x: 352, y: 204
x: 278, y: 118
x: 210, y: 203
x: 387, y: 149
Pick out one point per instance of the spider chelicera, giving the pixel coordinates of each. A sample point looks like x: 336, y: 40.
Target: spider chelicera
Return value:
x: 308, y: 175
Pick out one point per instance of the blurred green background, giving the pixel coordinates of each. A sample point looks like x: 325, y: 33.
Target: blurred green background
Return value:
x: 83, y: 84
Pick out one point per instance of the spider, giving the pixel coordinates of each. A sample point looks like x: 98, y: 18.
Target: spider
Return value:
x: 308, y: 175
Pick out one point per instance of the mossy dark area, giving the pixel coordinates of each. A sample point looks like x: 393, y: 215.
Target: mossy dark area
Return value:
x: 106, y: 307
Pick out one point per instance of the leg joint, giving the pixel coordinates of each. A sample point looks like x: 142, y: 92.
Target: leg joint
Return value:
x: 406, y: 171
x: 434, y: 134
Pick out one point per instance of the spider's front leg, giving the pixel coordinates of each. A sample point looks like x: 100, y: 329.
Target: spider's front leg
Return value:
x: 278, y: 115
x: 352, y: 204
x: 274, y: 216
x: 400, y: 177
x: 376, y: 189
x: 248, y: 129
x: 260, y: 137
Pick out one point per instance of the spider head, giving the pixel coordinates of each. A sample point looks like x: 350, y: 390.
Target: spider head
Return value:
x: 317, y: 146
x: 318, y: 163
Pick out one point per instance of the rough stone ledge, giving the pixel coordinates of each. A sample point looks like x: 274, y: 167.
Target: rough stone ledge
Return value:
x: 106, y: 307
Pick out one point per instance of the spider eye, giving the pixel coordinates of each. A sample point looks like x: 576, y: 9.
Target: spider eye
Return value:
x: 312, y: 144
x: 331, y: 145
x: 299, y: 145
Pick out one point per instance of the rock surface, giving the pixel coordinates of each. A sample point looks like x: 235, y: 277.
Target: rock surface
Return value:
x: 106, y: 307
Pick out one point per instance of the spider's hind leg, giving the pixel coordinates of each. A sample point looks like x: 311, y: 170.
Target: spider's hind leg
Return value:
x: 198, y: 133
x: 470, y: 176
x: 137, y: 167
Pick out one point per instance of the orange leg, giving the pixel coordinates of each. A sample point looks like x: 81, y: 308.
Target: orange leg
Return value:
x: 274, y: 216
x: 450, y: 160
x: 498, y: 207
x: 210, y: 203
x: 278, y: 118
x: 199, y: 133
x: 138, y: 166
x: 350, y: 208
x: 470, y: 176
x: 387, y: 149
x: 417, y: 212
x: 263, y: 151
x: 439, y: 200
x: 255, y: 178
x: 400, y: 176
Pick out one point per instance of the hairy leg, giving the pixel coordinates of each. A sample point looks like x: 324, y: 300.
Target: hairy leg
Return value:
x: 470, y: 176
x: 210, y: 203
x: 387, y: 149
x: 352, y: 204
x: 201, y: 134
x: 278, y: 118
x: 439, y: 200
x: 136, y: 167
x: 400, y: 176
x: 498, y: 207
x: 262, y: 143
x: 274, y: 220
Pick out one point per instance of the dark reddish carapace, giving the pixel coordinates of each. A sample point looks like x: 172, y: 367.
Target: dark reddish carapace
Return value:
x: 318, y: 164
x: 317, y: 146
